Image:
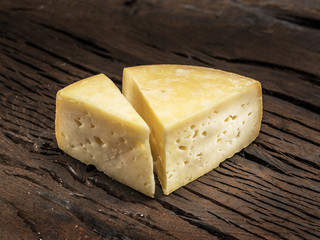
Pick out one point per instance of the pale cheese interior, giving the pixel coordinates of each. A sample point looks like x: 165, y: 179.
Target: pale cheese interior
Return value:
x: 97, y: 125
x: 198, y: 117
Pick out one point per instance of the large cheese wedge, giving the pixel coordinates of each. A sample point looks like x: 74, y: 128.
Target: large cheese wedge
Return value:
x: 198, y: 117
x: 97, y: 125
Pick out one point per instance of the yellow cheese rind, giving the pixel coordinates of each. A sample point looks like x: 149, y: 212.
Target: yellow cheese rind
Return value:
x: 198, y: 117
x: 97, y: 125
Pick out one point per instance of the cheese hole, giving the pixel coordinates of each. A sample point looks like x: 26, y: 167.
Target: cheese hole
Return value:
x: 230, y: 117
x: 200, y: 154
x: 131, y: 148
x: 192, y: 126
x: 92, y: 126
x: 91, y: 156
x: 243, y: 122
x: 90, y: 119
x: 78, y: 122
x: 203, y: 124
x: 162, y: 90
x: 140, y: 145
x: 215, y: 112
x: 249, y: 113
x: 178, y: 140
x: 112, y: 133
x: 98, y: 140
x: 186, y: 162
x: 195, y: 133
x: 219, y: 140
x: 123, y: 140
x: 225, y: 131
x: 238, y: 135
x: 71, y: 145
x: 183, y: 148
x: 204, y: 133
x: 88, y: 141
x: 170, y: 176
x: 242, y: 105
x: 81, y: 144
x: 146, y: 184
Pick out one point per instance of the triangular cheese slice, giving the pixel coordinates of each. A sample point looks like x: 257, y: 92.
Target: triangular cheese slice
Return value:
x: 198, y: 117
x: 97, y: 125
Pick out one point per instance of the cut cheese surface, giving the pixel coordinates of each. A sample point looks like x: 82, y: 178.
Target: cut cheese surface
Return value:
x: 198, y: 117
x: 97, y: 125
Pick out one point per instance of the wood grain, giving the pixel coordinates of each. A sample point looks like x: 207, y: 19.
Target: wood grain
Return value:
x: 270, y: 190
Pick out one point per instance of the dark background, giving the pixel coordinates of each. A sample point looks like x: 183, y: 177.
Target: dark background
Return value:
x: 270, y: 190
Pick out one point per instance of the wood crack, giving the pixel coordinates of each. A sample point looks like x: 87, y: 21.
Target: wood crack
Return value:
x: 243, y: 178
x: 285, y: 227
x: 178, y: 211
x: 310, y: 77
x: 11, y: 99
x: 151, y: 226
x: 211, y: 229
x: 237, y: 226
x: 65, y: 59
x: 27, y: 220
x: 293, y: 120
x: 269, y: 190
x: 265, y: 161
x: 89, y: 45
x: 303, y: 21
x: 291, y: 133
x: 58, y: 179
x: 307, y: 162
x: 219, y: 204
x: 94, y: 224
x: 291, y: 206
x: 299, y: 186
x: 308, y: 106
x: 234, y: 195
x: 27, y: 178
x: 270, y: 231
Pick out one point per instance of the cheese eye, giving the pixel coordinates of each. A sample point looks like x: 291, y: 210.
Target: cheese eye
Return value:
x: 78, y: 122
x: 183, y: 148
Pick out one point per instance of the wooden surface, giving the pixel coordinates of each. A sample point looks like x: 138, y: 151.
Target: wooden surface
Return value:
x: 270, y: 190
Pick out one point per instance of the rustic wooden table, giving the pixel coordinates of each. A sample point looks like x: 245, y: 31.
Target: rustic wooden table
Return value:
x: 270, y: 190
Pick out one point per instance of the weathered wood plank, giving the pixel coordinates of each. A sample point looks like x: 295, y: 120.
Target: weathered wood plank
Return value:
x: 270, y: 190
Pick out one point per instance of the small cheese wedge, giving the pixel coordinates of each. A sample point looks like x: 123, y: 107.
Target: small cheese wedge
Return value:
x: 198, y: 117
x: 97, y: 125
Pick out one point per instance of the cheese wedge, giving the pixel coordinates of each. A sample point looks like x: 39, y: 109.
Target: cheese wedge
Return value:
x: 97, y: 125
x: 198, y: 117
